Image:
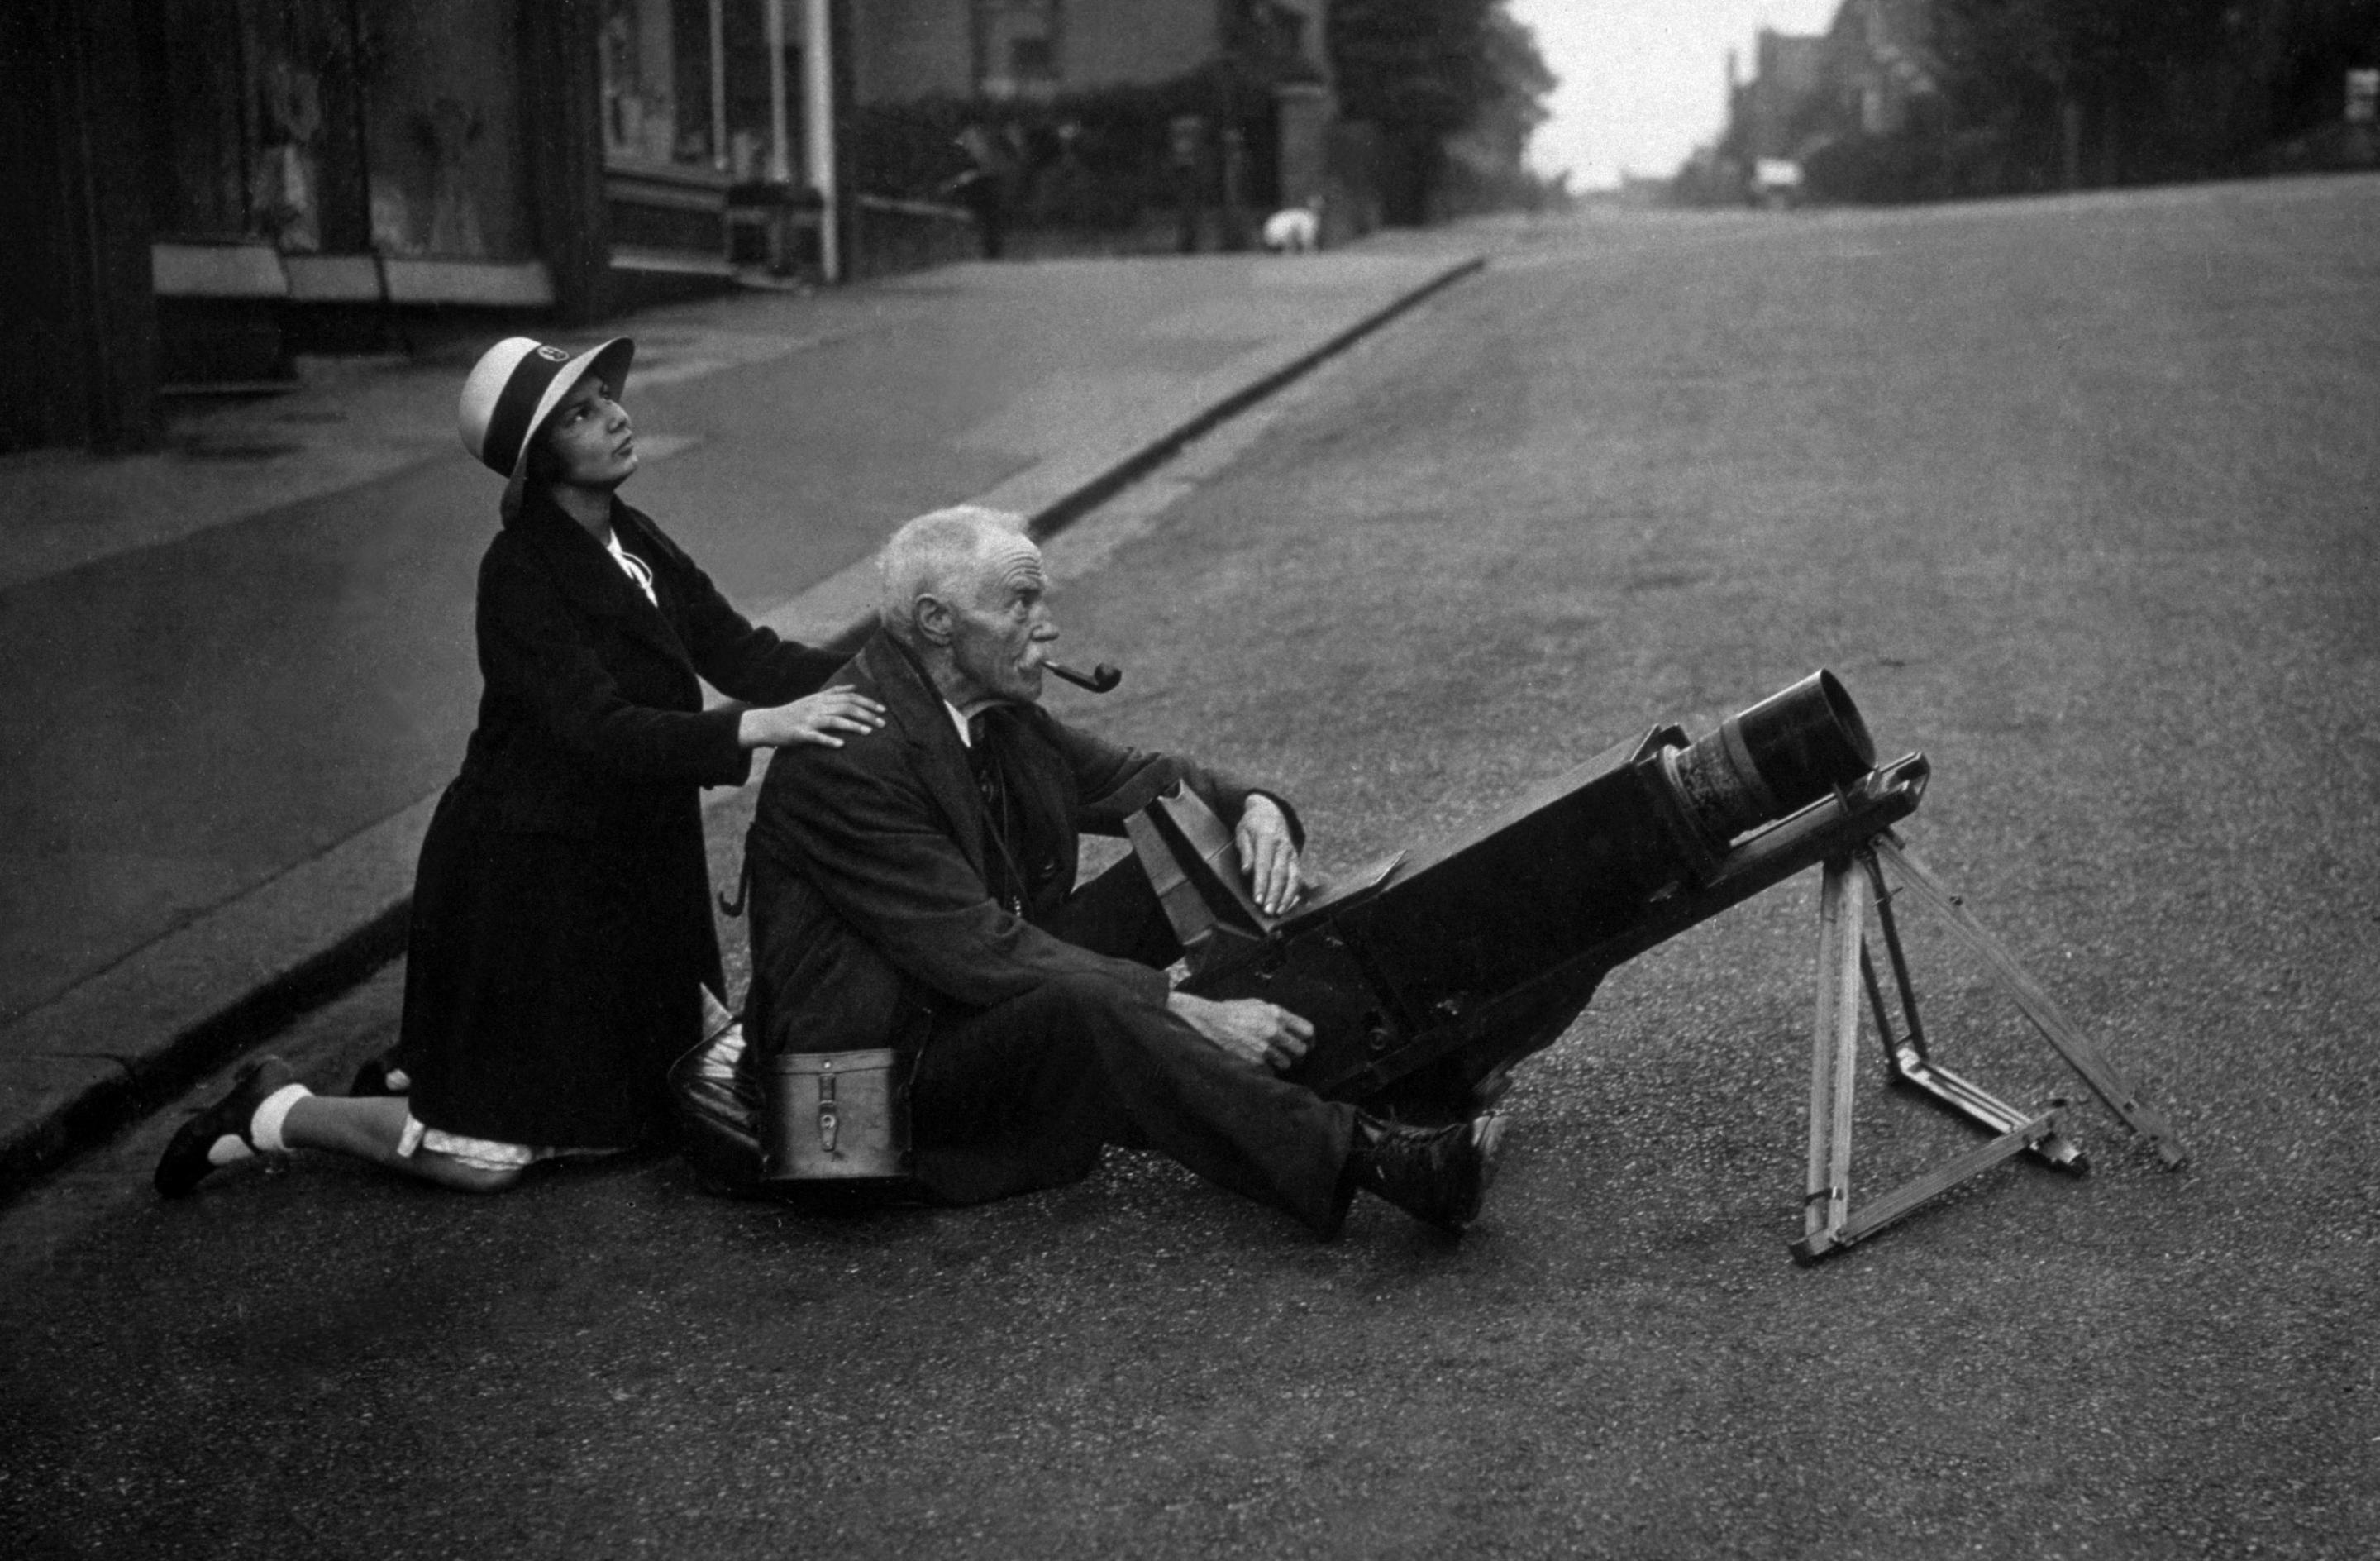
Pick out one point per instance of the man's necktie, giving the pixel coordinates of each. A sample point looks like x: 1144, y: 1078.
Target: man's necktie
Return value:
x: 999, y: 857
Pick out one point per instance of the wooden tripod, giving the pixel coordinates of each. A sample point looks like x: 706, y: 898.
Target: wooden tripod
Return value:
x: 1854, y: 881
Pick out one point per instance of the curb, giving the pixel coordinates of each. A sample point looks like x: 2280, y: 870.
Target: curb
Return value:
x: 238, y: 973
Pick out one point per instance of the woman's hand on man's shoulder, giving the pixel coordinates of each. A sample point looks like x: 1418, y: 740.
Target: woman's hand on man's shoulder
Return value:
x: 826, y: 718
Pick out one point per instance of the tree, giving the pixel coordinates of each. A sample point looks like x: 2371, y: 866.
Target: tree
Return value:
x: 1423, y: 70
x: 1517, y: 81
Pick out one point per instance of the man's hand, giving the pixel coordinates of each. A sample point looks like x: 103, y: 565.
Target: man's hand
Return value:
x: 1249, y: 1028
x: 1269, y: 855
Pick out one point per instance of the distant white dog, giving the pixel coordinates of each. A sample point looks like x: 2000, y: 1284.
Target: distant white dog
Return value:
x: 1295, y: 230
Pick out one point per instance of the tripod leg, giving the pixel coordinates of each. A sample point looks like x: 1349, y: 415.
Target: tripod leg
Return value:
x: 1875, y: 1008
x: 1911, y: 1065
x: 2059, y: 1032
x: 1915, y: 1040
x: 1901, y: 1201
x: 1834, y: 1052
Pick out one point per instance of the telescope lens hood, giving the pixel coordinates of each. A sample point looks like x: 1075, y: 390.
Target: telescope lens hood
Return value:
x: 1807, y: 741
x: 1778, y: 757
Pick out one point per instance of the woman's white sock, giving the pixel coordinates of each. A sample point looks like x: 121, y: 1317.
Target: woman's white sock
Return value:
x: 264, y: 1128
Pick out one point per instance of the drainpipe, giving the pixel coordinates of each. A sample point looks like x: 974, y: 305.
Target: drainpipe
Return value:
x: 780, y: 167
x: 818, y: 127
x: 719, y: 84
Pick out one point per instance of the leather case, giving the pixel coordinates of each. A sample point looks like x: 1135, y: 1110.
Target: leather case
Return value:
x: 836, y: 1117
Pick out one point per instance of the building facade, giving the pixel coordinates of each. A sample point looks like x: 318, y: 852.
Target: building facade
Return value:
x: 1873, y: 75
x: 1007, y: 49
x: 1881, y: 64
x: 1772, y: 110
x: 209, y: 185
x: 205, y: 187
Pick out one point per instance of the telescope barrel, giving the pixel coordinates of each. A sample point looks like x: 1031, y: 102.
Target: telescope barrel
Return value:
x: 1477, y: 949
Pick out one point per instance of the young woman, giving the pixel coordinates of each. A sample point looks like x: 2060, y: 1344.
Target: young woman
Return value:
x: 561, y: 950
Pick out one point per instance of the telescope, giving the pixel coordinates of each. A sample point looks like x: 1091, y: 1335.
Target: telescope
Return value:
x: 1430, y: 974
x: 1426, y: 977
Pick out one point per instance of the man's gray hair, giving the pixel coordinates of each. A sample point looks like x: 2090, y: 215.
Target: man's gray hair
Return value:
x: 932, y: 555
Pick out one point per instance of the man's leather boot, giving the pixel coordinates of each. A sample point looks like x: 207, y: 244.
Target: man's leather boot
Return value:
x: 1439, y: 1176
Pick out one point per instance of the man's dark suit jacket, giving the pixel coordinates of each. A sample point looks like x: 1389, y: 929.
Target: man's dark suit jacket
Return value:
x: 871, y: 866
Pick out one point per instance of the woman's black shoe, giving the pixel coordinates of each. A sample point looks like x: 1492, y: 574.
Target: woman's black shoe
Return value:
x: 381, y: 1076
x: 1439, y: 1176
x: 190, y: 1156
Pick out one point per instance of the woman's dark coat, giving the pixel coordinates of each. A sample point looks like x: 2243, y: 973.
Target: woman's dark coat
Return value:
x: 562, y: 910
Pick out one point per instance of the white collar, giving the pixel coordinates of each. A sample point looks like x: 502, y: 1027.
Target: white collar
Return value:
x: 631, y: 565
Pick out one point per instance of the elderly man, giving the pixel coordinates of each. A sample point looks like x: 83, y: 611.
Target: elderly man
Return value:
x: 914, y: 887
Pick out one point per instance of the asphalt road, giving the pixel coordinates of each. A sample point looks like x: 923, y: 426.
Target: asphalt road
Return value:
x: 2077, y: 497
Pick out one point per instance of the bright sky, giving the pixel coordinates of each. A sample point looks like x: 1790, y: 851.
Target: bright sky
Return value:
x: 1644, y: 81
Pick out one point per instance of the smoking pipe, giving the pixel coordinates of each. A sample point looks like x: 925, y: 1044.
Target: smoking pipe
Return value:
x: 1098, y: 680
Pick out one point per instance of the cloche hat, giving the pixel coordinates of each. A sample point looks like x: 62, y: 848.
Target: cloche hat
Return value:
x: 513, y: 389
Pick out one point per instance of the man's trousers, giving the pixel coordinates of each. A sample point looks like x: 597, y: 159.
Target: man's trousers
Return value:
x: 1024, y: 1094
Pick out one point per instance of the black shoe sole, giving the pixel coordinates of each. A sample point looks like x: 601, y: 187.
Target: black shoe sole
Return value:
x: 187, y: 1162
x: 373, y: 1082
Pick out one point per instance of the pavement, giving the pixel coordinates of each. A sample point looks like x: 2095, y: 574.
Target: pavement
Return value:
x: 242, y: 664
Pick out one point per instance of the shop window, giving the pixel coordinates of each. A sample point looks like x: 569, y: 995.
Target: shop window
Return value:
x: 335, y: 125
x: 685, y: 83
x: 235, y: 119
x: 744, y: 29
x: 1019, y: 39
x: 646, y: 116
x: 442, y: 91
x: 1032, y: 59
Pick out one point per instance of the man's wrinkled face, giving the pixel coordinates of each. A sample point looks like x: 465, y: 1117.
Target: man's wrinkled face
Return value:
x: 1000, y: 629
